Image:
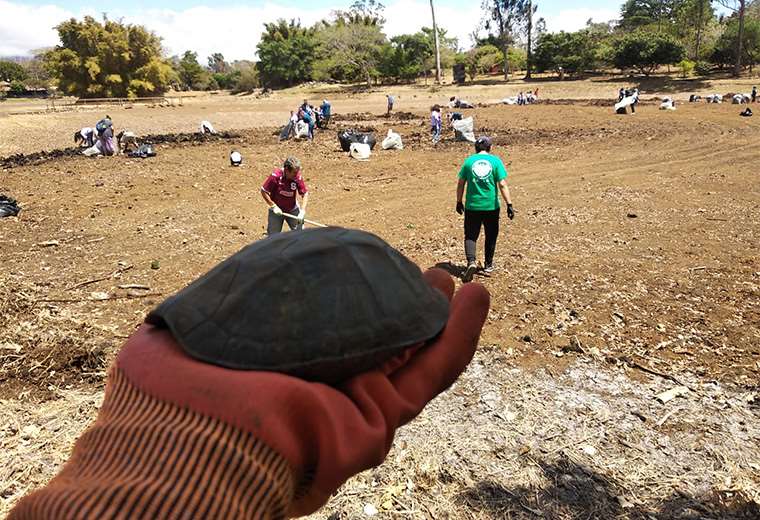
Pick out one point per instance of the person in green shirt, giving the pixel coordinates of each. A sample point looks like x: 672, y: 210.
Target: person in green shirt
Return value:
x: 485, y: 177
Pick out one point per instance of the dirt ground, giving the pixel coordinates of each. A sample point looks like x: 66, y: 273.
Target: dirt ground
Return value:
x: 631, y: 268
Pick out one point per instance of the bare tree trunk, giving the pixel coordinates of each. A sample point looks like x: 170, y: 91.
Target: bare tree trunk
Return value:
x: 529, y: 57
x: 738, y: 65
x: 437, y: 47
x: 699, y: 29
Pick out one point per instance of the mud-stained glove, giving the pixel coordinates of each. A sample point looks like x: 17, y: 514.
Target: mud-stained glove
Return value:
x: 510, y: 212
x: 176, y: 434
x: 460, y: 207
x: 301, y: 216
x: 276, y: 210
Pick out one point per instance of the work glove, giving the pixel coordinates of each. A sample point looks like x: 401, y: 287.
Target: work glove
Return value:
x: 301, y: 216
x: 288, y: 443
x: 276, y: 210
x: 510, y: 212
x: 460, y: 207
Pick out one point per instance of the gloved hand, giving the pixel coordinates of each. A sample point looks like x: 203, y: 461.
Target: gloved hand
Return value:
x: 460, y: 207
x: 301, y: 216
x: 510, y: 212
x: 276, y: 209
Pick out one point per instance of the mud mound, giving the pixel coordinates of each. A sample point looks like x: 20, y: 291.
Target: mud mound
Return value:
x: 367, y: 116
x: 21, y: 159
x: 593, y: 102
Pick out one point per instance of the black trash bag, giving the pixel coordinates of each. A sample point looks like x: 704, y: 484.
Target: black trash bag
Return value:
x: 746, y: 113
x: 287, y: 131
x: 8, y: 207
x: 144, y: 151
x: 346, y: 137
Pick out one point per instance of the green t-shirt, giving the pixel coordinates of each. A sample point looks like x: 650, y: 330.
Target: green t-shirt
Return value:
x: 482, y: 172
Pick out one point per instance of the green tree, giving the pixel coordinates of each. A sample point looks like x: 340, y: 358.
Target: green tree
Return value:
x: 724, y: 52
x: 504, y: 16
x: 216, y: 63
x: 404, y: 58
x: 11, y: 71
x: 571, y: 52
x: 739, y: 7
x: 694, y: 17
x: 645, y: 51
x: 108, y: 59
x: 287, y: 53
x: 351, y: 47
x: 659, y: 15
x: 192, y: 75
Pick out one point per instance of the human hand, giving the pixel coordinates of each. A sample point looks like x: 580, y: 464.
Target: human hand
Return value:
x: 301, y: 216
x: 276, y: 210
x: 510, y: 212
x: 326, y: 434
x: 460, y: 207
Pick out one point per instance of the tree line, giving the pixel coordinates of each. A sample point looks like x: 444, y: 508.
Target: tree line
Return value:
x: 111, y: 59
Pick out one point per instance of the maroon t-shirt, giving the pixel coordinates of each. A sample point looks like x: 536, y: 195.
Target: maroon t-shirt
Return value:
x: 283, y: 191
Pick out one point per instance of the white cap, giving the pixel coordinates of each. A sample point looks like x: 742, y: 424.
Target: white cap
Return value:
x: 236, y: 158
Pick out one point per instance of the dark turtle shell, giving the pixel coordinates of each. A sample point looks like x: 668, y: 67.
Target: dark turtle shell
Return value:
x: 321, y: 304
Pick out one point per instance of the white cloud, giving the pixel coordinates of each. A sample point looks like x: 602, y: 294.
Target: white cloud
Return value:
x: 573, y: 19
x: 25, y: 28
x: 235, y: 30
x: 232, y: 30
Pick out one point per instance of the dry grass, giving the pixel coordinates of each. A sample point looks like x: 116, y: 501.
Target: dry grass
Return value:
x: 590, y: 443
x: 47, y: 345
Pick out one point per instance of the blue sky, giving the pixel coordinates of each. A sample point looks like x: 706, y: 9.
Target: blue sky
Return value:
x: 233, y: 28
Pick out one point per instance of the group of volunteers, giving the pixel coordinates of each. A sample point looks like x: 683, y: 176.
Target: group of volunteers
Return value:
x: 310, y: 117
x: 101, y: 139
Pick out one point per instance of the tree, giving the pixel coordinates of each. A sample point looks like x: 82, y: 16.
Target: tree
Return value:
x: 37, y: 75
x: 505, y: 14
x: 739, y: 9
x: 350, y: 46
x: 191, y: 75
x: 437, y: 47
x: 11, y: 71
x: 108, y: 59
x: 570, y: 52
x: 287, y: 53
x: 217, y: 65
x: 404, y: 58
x: 724, y: 52
x: 696, y: 16
x: 645, y: 51
x: 530, y: 11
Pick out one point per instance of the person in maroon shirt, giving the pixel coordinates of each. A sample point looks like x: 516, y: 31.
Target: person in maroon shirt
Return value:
x: 279, y: 192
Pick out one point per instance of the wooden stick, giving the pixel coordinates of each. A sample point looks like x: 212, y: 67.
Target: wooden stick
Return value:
x: 294, y: 217
x: 80, y: 300
x: 96, y: 280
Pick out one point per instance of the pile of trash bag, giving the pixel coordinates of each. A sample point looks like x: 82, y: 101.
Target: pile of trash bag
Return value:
x: 464, y: 130
x: 392, y: 141
x: 346, y: 137
x: 8, y: 207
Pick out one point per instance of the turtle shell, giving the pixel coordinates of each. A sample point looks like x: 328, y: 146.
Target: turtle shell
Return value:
x: 320, y: 304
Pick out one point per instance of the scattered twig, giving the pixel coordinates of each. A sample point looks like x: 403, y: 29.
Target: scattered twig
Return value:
x: 382, y: 179
x: 667, y: 416
x: 134, y: 286
x: 79, y: 300
x: 718, y: 219
x: 96, y: 280
x: 700, y: 268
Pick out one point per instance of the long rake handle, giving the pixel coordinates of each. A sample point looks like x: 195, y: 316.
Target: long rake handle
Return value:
x: 294, y: 217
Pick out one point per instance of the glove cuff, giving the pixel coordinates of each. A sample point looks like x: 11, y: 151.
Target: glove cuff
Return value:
x: 150, y: 458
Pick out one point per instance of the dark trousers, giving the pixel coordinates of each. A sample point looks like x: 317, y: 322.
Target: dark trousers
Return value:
x: 473, y: 220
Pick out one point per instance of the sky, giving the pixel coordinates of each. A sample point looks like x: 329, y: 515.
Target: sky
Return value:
x: 233, y: 28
